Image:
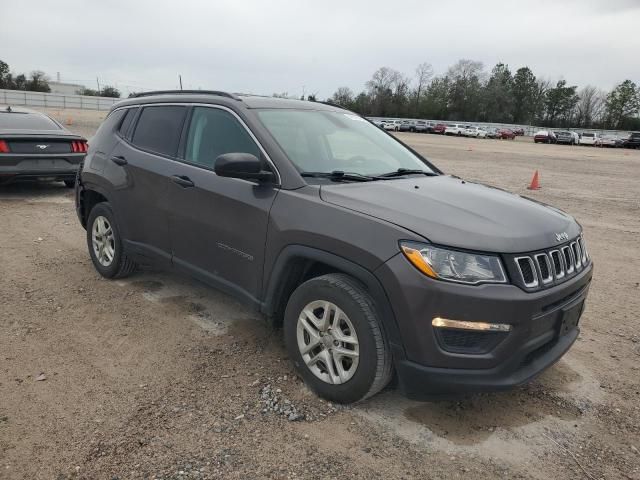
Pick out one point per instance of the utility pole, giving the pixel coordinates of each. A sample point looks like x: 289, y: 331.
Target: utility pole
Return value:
x: 303, y: 89
x: 98, y: 82
x: 180, y: 77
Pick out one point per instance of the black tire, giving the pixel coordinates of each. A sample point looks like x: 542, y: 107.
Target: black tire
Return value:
x: 121, y: 266
x: 374, y: 369
x: 70, y: 183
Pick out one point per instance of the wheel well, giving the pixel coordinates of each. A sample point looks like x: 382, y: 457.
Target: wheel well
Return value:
x: 300, y: 270
x: 88, y: 200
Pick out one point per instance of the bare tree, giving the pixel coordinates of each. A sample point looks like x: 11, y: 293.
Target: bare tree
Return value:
x: 590, y: 106
x: 424, y: 73
x: 343, y: 96
x: 466, y: 69
x: 382, y: 80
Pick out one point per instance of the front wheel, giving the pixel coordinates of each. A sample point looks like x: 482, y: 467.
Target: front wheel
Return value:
x: 105, y: 244
x: 335, y: 339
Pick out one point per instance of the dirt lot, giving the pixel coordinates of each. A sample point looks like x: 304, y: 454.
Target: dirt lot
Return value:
x: 157, y: 376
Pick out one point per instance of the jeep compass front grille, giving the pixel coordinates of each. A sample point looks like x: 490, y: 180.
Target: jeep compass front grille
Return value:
x: 551, y: 267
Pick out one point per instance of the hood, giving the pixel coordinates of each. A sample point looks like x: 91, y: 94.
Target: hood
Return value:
x: 453, y: 212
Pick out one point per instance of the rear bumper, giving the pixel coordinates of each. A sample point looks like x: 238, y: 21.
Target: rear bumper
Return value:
x: 59, y: 167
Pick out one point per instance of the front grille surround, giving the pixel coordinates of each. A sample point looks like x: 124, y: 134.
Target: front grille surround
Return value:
x: 543, y: 269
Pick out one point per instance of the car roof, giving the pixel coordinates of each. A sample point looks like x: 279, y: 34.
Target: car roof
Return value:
x: 224, y: 98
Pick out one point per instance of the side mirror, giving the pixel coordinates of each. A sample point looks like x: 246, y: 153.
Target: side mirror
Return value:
x: 241, y: 165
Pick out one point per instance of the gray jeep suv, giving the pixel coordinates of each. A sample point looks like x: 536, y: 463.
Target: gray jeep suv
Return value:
x: 375, y: 263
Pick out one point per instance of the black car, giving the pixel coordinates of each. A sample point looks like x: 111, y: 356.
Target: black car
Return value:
x: 633, y: 141
x: 374, y: 262
x: 35, y: 146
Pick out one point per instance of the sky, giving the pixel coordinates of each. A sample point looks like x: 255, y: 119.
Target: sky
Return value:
x: 297, y: 46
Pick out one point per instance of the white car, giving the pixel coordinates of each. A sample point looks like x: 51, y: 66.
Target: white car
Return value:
x: 576, y: 138
x: 391, y: 125
x: 476, y: 132
x: 590, y: 138
x: 455, y: 129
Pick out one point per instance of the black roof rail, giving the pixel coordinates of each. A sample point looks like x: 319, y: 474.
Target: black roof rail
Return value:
x: 187, y: 92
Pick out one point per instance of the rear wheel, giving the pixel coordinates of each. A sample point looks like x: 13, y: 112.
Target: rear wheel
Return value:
x: 335, y: 340
x: 105, y: 244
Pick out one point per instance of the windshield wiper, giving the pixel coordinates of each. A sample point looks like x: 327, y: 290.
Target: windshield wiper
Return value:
x: 339, y: 175
x: 407, y: 171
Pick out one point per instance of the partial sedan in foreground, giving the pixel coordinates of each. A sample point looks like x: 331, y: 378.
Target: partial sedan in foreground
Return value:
x: 34, y: 146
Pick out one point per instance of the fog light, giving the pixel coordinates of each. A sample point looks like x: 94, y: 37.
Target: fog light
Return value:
x: 476, y: 326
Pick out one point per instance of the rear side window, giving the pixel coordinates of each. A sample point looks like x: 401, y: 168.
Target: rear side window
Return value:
x: 126, y: 121
x: 159, y: 128
x: 214, y: 132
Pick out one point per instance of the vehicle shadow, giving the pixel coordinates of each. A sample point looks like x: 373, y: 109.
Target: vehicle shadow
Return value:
x: 472, y: 419
x: 34, y: 190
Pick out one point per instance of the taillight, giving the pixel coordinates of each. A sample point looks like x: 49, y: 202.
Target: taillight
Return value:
x: 4, y: 147
x: 79, y: 146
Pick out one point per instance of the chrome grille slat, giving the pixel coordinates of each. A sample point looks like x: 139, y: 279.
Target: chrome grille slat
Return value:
x: 575, y: 250
x: 534, y: 282
x: 554, y: 266
x: 549, y: 277
x: 567, y: 254
x: 559, y: 270
x: 585, y: 256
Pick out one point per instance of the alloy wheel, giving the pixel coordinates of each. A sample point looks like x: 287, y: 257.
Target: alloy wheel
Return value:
x: 103, y: 241
x: 328, y: 342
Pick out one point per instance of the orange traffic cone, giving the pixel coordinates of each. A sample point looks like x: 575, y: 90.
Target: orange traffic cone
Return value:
x: 535, y: 184
x: 69, y: 121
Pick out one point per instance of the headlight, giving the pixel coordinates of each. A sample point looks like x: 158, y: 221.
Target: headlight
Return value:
x: 453, y: 265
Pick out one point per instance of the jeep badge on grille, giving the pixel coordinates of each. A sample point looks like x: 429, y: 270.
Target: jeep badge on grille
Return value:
x: 562, y: 236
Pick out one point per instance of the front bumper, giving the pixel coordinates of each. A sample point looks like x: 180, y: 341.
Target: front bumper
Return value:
x: 426, y: 367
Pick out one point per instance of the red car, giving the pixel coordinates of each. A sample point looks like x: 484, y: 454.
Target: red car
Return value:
x: 439, y: 128
x: 505, y: 133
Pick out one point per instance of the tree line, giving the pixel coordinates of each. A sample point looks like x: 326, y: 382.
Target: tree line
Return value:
x: 466, y: 92
x: 38, y: 81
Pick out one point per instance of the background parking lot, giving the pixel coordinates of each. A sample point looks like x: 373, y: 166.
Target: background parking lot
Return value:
x: 157, y: 376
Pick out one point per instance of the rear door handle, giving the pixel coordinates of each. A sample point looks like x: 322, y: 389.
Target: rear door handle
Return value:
x: 182, y: 180
x: 119, y: 160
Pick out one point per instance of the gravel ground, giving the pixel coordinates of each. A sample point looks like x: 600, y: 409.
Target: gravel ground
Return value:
x: 158, y: 376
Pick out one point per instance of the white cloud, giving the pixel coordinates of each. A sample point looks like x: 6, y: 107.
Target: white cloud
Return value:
x: 283, y: 45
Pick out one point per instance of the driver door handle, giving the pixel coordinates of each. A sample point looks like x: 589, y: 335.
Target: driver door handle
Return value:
x: 182, y: 180
x: 119, y: 160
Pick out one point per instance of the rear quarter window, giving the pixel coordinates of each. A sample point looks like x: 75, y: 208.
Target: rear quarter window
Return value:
x: 159, y: 128
x: 126, y: 121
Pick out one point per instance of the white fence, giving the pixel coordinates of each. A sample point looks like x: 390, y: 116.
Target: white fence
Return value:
x: 55, y: 100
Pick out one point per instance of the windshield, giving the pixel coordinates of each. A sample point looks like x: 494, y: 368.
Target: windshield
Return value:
x: 325, y: 141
